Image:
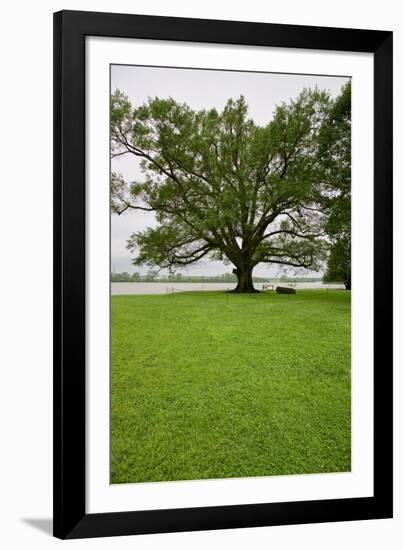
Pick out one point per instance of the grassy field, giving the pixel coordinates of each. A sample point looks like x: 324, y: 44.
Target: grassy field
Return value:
x: 213, y: 385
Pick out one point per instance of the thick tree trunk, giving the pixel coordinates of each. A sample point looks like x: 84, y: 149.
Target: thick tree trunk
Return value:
x: 245, y: 281
x: 347, y: 283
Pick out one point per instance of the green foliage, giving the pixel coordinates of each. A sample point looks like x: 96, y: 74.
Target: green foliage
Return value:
x: 215, y: 385
x: 335, y: 149
x: 339, y: 263
x: 221, y: 186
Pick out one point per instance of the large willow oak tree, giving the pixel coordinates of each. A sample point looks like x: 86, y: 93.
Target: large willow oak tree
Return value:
x: 222, y: 187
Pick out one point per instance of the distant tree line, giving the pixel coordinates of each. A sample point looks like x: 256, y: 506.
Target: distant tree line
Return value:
x: 126, y: 277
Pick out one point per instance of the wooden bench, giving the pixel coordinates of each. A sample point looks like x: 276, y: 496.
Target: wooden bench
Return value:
x: 268, y: 287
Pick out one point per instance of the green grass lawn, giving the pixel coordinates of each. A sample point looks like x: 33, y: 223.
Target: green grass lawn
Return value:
x: 216, y: 385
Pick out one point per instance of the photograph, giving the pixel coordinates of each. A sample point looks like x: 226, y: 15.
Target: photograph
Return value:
x: 230, y: 274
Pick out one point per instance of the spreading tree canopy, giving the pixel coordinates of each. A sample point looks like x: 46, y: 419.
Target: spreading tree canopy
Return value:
x: 221, y: 186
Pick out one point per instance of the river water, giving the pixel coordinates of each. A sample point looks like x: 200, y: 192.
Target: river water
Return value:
x: 165, y: 288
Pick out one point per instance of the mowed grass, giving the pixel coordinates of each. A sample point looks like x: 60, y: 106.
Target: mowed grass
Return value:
x: 216, y: 385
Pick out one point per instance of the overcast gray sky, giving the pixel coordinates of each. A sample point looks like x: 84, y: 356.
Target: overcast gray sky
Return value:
x: 200, y: 89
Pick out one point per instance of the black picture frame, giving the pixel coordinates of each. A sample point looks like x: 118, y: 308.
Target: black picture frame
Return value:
x: 70, y: 517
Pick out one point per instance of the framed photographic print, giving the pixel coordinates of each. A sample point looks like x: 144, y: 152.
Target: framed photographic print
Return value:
x: 223, y: 274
